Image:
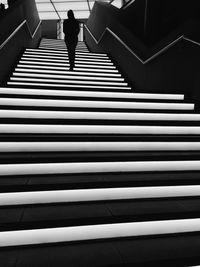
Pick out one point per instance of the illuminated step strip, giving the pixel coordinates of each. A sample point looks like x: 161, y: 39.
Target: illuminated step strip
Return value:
x: 72, y: 77
x: 80, y: 60
x: 67, y: 72
x: 54, y: 67
x: 93, y: 104
x: 80, y: 115
x: 64, y: 52
x: 98, y: 167
x: 46, y: 52
x: 83, y: 66
x: 65, y: 57
x: 119, y: 85
x: 100, y: 194
x: 97, y: 146
x: 98, y: 129
x: 92, y: 87
x: 99, y: 231
x: 62, y: 48
x: 61, y: 45
x: 126, y: 95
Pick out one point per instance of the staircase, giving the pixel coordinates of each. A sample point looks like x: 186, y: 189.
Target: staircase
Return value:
x: 91, y: 173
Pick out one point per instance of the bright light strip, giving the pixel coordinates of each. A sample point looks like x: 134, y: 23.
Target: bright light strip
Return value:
x: 42, y: 52
x: 62, y: 49
x: 80, y: 115
x: 97, y: 146
x: 67, y: 76
x: 119, y: 85
x: 126, y: 95
x: 67, y: 72
x: 93, y: 104
x: 80, y: 60
x: 102, y: 194
x: 84, y: 65
x: 61, y: 45
x: 54, y: 66
x: 71, y: 86
x: 64, y: 52
x: 98, y: 129
x: 99, y: 231
x: 66, y: 58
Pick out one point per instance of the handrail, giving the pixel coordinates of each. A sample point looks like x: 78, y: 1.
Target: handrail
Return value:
x: 17, y: 29
x: 192, y: 41
x: 129, y: 49
x: 127, y: 4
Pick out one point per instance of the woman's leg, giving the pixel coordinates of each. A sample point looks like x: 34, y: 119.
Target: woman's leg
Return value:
x: 71, y: 47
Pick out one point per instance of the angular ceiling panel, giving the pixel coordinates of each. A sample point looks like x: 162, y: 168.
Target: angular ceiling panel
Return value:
x: 82, y: 14
x: 45, y: 7
x: 74, y: 6
x: 57, y: 9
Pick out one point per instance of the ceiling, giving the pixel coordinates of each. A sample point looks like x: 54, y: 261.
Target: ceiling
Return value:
x: 57, y: 9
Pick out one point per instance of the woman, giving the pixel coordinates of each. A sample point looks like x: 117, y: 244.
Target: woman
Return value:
x: 71, y: 30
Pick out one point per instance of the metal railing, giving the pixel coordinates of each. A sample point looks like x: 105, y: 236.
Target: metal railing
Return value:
x: 161, y: 51
x: 24, y: 22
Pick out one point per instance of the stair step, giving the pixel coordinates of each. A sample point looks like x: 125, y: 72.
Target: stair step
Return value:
x: 51, y: 53
x: 47, y: 78
x: 50, y: 63
x: 64, y: 57
x: 98, y: 167
x: 51, y: 66
x: 99, y: 104
x: 97, y: 146
x: 98, y: 129
x: 77, y: 60
x: 101, y: 231
x: 89, y: 94
x: 73, y: 78
x: 64, y: 52
x: 70, y: 86
x: 97, y: 194
x: 84, y: 117
x: 86, y: 74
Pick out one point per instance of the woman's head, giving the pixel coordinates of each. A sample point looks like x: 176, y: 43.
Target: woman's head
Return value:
x: 70, y: 14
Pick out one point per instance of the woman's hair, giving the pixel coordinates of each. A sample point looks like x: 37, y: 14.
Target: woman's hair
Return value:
x: 70, y: 14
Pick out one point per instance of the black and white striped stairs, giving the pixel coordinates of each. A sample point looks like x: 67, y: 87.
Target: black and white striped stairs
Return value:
x: 91, y: 173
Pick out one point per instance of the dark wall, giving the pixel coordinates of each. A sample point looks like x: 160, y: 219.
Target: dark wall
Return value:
x: 49, y: 29
x: 174, y: 71
x: 9, y: 54
x: 151, y: 20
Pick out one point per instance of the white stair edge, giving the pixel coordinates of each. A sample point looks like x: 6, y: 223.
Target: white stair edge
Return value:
x: 98, y: 167
x: 63, y: 52
x: 84, y: 115
x: 95, y: 104
x: 126, y: 95
x: 100, y: 231
x: 33, y: 77
x: 52, y: 66
x: 67, y: 64
x: 115, y: 81
x: 45, y: 52
x: 97, y: 194
x: 67, y: 72
x: 93, y: 62
x: 70, y: 86
x: 53, y: 56
x: 97, y: 146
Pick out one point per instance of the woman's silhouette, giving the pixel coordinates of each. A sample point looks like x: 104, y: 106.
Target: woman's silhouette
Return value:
x: 71, y: 30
